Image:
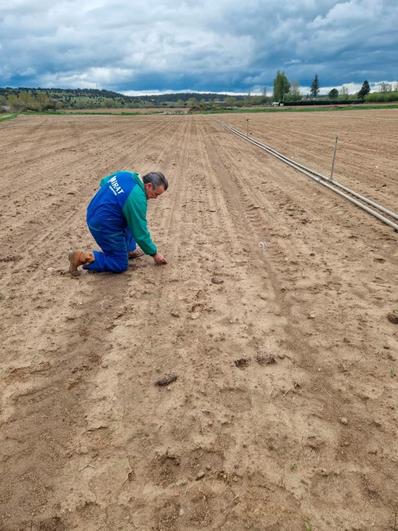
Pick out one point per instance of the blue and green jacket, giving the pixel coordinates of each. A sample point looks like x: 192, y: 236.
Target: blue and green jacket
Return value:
x: 121, y: 202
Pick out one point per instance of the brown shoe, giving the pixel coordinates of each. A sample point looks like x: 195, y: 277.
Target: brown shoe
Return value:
x: 77, y: 259
x: 136, y: 253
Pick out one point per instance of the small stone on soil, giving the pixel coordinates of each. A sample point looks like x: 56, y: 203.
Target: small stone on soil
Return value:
x: 216, y: 280
x: 344, y: 421
x: 242, y: 363
x: 166, y: 380
x: 393, y: 317
x: 265, y: 360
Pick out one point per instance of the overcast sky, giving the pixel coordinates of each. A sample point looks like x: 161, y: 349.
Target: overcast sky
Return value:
x: 204, y: 45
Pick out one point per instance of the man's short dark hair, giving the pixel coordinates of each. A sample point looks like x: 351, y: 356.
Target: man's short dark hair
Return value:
x: 156, y: 178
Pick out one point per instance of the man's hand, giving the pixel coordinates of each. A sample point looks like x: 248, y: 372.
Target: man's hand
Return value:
x: 159, y: 259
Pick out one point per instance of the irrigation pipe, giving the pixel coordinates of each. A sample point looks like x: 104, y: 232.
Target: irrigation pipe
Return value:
x: 357, y: 199
x: 300, y: 167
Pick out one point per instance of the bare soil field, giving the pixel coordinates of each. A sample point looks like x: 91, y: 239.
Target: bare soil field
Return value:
x: 367, y: 156
x: 144, y: 110
x: 272, y: 312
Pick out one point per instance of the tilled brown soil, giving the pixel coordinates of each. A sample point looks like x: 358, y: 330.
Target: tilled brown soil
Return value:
x: 272, y: 313
x: 366, y: 156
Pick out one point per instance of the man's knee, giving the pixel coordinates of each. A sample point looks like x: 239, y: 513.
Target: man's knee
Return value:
x: 120, y: 269
x: 121, y: 265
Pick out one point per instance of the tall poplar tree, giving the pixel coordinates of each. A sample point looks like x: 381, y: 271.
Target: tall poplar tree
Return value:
x: 281, y: 86
x: 315, y: 86
x: 365, y: 89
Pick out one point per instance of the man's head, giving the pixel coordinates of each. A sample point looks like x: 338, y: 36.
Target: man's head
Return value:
x: 155, y: 183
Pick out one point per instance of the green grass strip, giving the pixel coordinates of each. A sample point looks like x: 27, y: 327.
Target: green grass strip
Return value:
x: 4, y: 117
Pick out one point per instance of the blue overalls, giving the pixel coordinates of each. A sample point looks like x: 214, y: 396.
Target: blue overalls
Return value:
x: 116, y: 213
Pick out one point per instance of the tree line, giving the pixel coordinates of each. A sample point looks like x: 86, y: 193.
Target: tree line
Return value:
x: 286, y: 91
x: 40, y: 99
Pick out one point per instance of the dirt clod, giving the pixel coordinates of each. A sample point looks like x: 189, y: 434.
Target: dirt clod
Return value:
x: 10, y: 258
x: 393, y: 317
x: 266, y: 360
x: 166, y: 380
x: 242, y: 363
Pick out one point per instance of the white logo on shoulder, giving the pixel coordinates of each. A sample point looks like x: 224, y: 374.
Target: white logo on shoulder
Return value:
x: 115, y: 186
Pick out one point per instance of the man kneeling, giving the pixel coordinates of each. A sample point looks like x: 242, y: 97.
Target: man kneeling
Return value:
x: 116, y: 217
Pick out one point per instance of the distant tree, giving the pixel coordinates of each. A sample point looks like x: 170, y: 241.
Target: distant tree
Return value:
x: 385, y: 87
x: 281, y: 86
x: 43, y: 102
x: 315, y: 87
x: 294, y: 90
x: 258, y: 100
x: 21, y: 102
x: 343, y: 91
x: 333, y: 94
x: 365, y: 89
x: 230, y: 101
x: 192, y: 102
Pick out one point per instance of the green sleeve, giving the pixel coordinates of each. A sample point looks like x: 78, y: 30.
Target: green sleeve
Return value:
x: 134, y: 210
x: 106, y: 179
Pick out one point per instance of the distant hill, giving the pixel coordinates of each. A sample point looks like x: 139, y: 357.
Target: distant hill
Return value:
x: 56, y: 98
x: 53, y: 99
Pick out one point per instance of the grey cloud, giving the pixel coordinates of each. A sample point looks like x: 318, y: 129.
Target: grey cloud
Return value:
x: 226, y: 45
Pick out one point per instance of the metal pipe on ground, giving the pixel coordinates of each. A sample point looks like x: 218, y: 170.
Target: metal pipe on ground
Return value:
x: 352, y: 196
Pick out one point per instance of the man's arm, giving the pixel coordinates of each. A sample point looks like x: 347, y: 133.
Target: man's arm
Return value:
x: 134, y: 211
